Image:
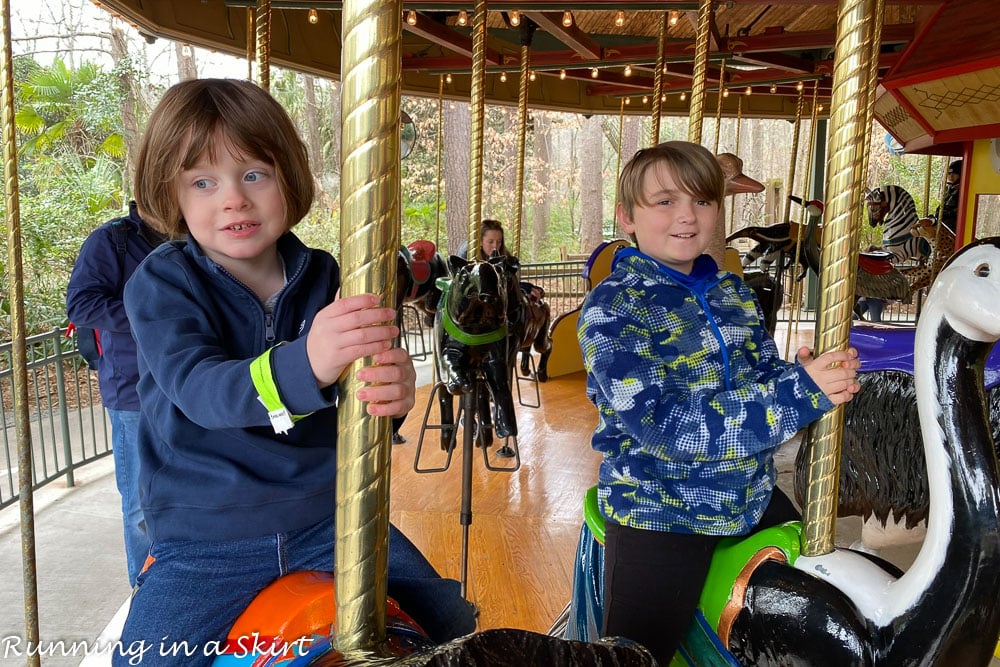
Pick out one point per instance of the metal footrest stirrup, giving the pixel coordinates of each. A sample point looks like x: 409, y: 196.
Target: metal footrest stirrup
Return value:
x: 412, y: 333
x: 532, y: 377
x: 447, y: 430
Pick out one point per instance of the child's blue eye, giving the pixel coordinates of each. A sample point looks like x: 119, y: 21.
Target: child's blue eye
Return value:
x: 201, y: 184
x: 253, y: 176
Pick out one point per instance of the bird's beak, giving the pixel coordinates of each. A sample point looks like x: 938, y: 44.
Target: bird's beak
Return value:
x: 743, y: 184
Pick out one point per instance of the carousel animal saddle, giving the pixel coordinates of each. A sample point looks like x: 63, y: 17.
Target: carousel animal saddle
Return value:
x: 875, y: 263
x: 419, y: 258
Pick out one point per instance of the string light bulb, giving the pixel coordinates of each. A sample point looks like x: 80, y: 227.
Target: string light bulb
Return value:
x: 799, y: 86
x: 748, y: 91
x: 594, y: 73
x: 628, y: 100
x: 684, y: 96
x: 619, y: 18
x: 515, y: 18
x: 532, y: 76
x: 463, y: 17
x: 447, y: 77
x: 725, y: 92
x: 562, y: 75
x: 567, y: 19
x: 503, y: 77
x: 675, y: 16
x: 411, y: 17
x: 774, y: 88
x: 628, y: 70
x: 819, y: 108
x: 645, y: 99
x: 313, y: 16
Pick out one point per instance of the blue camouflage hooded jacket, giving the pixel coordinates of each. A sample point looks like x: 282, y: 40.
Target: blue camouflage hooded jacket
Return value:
x: 692, y: 397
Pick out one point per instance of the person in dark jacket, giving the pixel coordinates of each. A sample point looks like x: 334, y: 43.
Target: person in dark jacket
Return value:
x: 242, y: 337
x: 107, y: 259
x: 692, y: 398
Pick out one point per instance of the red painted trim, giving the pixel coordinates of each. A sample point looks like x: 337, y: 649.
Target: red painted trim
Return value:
x: 970, y: 133
x: 938, y: 73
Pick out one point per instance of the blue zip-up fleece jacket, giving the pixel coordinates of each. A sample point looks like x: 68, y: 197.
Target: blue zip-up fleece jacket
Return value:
x: 211, y: 465
x: 94, y: 300
x: 691, y: 395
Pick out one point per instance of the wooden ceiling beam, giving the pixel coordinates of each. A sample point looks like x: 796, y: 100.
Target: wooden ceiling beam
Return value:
x: 444, y: 36
x: 576, y: 39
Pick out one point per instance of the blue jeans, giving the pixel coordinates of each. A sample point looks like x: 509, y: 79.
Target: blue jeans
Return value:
x: 124, y: 426
x: 195, y: 590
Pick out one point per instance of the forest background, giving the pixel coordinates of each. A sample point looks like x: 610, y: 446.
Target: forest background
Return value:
x: 85, y: 84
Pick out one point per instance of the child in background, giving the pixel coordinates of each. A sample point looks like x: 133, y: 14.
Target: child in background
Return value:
x: 693, y: 399
x: 234, y: 498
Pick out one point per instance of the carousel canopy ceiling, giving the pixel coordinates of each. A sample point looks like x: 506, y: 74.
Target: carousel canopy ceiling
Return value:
x: 587, y: 55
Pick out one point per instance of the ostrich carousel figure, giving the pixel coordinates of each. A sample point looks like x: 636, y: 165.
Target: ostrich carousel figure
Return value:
x: 766, y: 604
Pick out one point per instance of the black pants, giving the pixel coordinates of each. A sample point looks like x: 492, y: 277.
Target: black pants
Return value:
x: 653, y: 579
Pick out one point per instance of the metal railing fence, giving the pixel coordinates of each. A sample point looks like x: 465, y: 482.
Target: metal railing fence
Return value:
x: 68, y: 424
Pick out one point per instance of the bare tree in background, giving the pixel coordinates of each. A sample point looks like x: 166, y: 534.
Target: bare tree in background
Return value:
x: 543, y: 209
x: 456, y: 173
x: 187, y: 66
x: 591, y: 184
x: 128, y: 102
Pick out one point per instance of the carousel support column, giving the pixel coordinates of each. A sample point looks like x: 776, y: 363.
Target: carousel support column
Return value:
x: 251, y: 42
x: 718, y: 106
x: 736, y: 151
x: 264, y: 44
x: 527, y: 30
x: 696, y: 113
x: 369, y: 239
x: 18, y: 352
x: 661, y: 69
x: 477, y: 113
x: 621, y: 144
x: 838, y: 259
x: 796, y: 132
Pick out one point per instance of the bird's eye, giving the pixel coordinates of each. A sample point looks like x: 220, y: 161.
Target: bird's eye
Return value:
x: 983, y: 270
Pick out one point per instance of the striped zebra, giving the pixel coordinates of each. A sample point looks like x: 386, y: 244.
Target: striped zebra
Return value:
x: 892, y: 207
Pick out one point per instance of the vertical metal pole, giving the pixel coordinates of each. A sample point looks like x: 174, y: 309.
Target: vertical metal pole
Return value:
x: 522, y: 139
x: 696, y: 111
x: 621, y: 144
x: 718, y: 105
x: 440, y: 150
x: 263, y: 21
x: 369, y: 240
x: 251, y: 43
x: 839, y: 259
x: 658, y: 76
x: 477, y: 113
x: 18, y: 351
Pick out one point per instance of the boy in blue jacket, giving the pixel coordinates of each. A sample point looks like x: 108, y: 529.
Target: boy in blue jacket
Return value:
x: 692, y: 398
x: 232, y: 499
x: 94, y: 299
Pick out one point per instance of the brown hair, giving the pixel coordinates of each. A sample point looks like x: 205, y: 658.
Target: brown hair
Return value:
x: 190, y: 119
x: 693, y: 167
x: 491, y: 226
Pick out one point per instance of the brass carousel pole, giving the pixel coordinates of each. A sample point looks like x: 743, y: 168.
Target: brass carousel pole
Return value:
x: 878, y: 12
x: 522, y: 136
x: 661, y: 67
x: 927, y: 186
x: 621, y: 144
x: 477, y: 113
x: 251, y: 43
x: 696, y: 111
x: 369, y: 241
x: 796, y: 131
x: 736, y: 151
x: 263, y: 22
x: 806, y: 193
x: 718, y: 106
x: 839, y: 258
x: 18, y: 350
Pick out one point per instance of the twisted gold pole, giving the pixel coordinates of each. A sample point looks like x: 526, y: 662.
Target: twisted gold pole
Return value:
x: 736, y: 150
x: 522, y: 139
x: 661, y: 67
x: 871, y: 66
x: 621, y: 144
x: 477, y: 113
x: 718, y: 106
x: 18, y: 351
x: 264, y: 44
x: 796, y: 131
x: 696, y: 112
x: 369, y: 241
x: 839, y: 259
x: 250, y: 43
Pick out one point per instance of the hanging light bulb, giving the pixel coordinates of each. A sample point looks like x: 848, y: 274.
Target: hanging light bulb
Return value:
x: 663, y: 97
x: 619, y: 18
x: 594, y: 73
x: 645, y: 99
x: 774, y: 88
x: 463, y: 17
x: 819, y: 108
x: 503, y: 77
x: 628, y: 100
x: 562, y: 75
x: 684, y: 96
x: 675, y: 16
x: 313, y: 16
x: 532, y: 76
x: 749, y: 90
x: 628, y: 70
x: 567, y: 19
x: 411, y: 17
x: 515, y: 18
x: 725, y: 92
x: 447, y: 77
x: 799, y: 86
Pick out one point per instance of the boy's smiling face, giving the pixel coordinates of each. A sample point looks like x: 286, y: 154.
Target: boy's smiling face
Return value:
x: 670, y: 225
